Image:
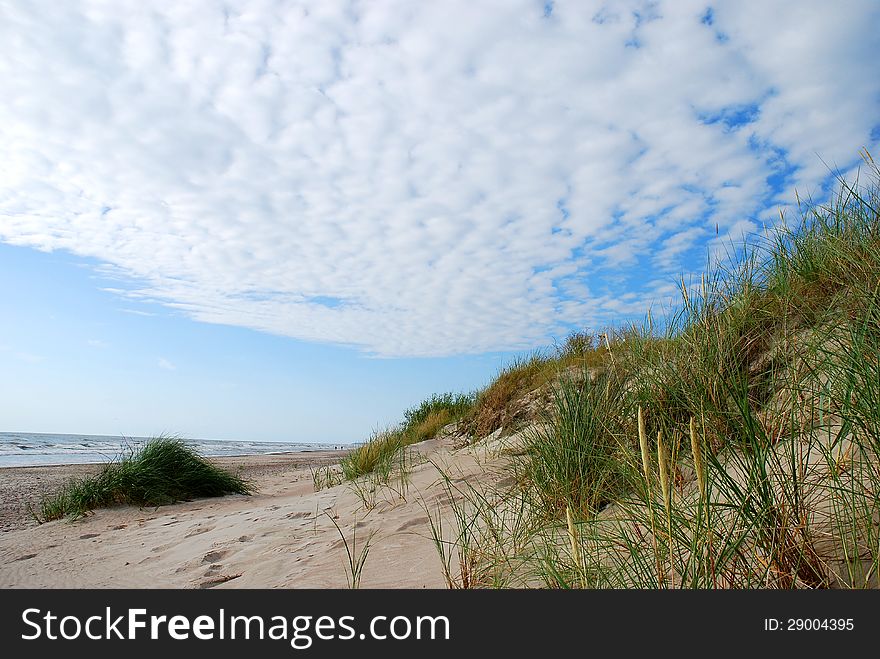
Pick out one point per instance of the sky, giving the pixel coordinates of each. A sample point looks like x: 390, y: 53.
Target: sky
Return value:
x: 290, y: 221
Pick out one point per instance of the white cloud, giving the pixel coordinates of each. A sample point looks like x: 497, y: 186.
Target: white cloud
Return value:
x: 166, y: 365
x: 415, y: 178
x: 137, y: 312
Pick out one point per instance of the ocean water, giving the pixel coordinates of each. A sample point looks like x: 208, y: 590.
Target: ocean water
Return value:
x: 19, y: 449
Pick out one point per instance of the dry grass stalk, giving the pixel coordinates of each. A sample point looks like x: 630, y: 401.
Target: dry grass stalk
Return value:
x: 643, y: 443
x: 664, y: 474
x: 697, y: 451
x: 608, y: 346
x: 646, y: 470
x: 667, y: 497
x: 575, y: 543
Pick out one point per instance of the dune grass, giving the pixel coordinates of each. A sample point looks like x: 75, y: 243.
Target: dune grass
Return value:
x: 765, y: 388
x: 758, y: 409
x: 495, y: 405
x: 503, y: 404
x: 420, y: 423
x: 355, y: 554
x: 573, y: 457
x: 162, y: 471
x: 425, y: 421
x: 376, y: 455
x: 481, y: 412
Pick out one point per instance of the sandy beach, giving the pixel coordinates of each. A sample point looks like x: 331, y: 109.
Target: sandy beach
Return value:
x: 282, y: 536
x: 22, y: 487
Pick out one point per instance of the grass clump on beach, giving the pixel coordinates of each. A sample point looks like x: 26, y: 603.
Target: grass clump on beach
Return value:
x: 374, y: 455
x: 573, y: 459
x: 162, y: 471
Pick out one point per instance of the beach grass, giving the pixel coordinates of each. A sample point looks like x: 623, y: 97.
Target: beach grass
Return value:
x: 163, y: 470
x: 375, y: 455
x: 421, y: 423
x: 356, y: 555
x: 734, y: 444
x: 573, y: 457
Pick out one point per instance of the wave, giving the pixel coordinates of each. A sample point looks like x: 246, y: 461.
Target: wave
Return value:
x: 34, y: 449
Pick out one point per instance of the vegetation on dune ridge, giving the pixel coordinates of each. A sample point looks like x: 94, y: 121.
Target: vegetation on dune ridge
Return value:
x: 736, y: 447
x: 505, y: 403
x: 501, y: 404
x: 163, y: 470
x: 420, y: 423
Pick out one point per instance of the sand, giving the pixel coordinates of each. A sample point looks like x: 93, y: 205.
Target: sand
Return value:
x: 281, y: 537
x: 21, y: 488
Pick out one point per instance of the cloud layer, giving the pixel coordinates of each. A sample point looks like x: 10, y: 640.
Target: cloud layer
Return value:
x: 419, y: 178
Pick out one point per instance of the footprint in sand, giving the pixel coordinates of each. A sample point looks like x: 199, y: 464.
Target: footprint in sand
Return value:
x: 198, y: 530
x: 214, y: 556
x: 418, y: 521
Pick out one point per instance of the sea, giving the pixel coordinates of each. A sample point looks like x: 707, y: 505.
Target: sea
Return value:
x: 22, y: 449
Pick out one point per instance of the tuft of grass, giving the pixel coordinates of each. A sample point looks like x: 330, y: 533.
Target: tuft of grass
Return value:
x: 356, y: 558
x: 573, y: 457
x: 501, y: 403
x: 326, y: 477
x: 429, y: 428
x: 162, y: 471
x: 376, y: 454
x: 444, y: 408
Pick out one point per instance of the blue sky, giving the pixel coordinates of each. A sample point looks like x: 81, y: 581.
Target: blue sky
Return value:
x: 291, y: 221
x: 78, y: 359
